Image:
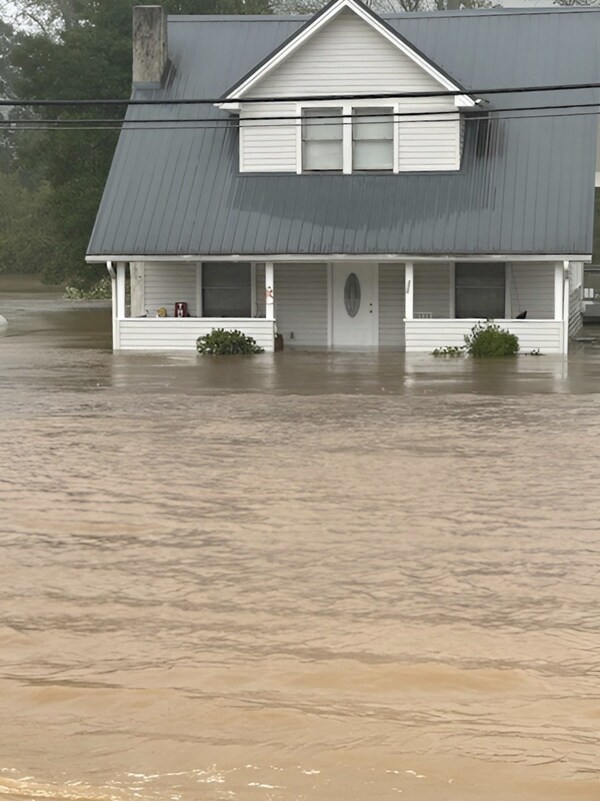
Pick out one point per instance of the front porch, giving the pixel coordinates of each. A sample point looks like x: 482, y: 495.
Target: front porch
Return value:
x: 344, y: 304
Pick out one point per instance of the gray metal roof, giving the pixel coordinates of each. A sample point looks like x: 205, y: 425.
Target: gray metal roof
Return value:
x: 526, y: 183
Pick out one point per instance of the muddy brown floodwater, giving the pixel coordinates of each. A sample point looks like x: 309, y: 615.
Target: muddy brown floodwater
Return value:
x: 294, y: 577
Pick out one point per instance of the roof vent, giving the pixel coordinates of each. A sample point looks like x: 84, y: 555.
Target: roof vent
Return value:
x: 150, y: 55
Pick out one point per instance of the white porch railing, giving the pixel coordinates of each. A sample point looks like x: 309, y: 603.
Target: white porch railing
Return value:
x: 172, y: 333
x: 424, y: 335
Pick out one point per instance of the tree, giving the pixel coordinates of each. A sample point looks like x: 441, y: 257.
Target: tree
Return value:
x: 79, y: 49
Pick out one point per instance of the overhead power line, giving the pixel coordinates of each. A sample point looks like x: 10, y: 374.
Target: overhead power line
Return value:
x: 191, y: 125
x: 299, y: 98
x: 157, y: 123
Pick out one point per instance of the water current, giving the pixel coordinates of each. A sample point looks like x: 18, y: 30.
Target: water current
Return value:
x: 293, y: 577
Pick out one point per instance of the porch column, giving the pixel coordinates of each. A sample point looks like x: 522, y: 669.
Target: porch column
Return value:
x: 409, y: 288
x: 566, y: 307
x: 558, y: 290
x: 113, y: 295
x: 120, y: 290
x: 269, y: 294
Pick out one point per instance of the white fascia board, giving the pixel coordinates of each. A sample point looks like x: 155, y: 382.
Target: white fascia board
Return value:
x: 310, y: 30
x: 329, y: 257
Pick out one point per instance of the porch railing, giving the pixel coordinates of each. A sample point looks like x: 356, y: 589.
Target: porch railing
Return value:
x: 172, y: 333
x: 424, y: 335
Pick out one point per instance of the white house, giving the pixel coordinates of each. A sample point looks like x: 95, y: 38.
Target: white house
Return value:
x: 352, y: 180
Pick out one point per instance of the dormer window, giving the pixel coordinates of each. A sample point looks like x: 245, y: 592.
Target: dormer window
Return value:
x: 348, y: 139
x: 372, y: 139
x: 322, y: 140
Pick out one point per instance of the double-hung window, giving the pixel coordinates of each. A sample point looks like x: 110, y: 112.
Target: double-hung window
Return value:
x: 372, y: 139
x: 322, y: 140
x: 348, y: 139
x: 480, y: 290
x: 226, y: 289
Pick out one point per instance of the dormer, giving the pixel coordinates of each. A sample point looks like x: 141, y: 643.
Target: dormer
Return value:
x: 288, y: 121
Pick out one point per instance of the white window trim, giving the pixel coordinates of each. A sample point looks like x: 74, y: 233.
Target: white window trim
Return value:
x: 347, y: 133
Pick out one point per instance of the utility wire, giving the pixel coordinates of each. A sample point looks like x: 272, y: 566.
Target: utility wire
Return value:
x: 284, y: 121
x: 299, y: 98
x: 195, y: 126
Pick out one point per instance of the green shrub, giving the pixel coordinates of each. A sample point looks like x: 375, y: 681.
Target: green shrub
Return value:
x: 489, y: 340
x: 226, y: 343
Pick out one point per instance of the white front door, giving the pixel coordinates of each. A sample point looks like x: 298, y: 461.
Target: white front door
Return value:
x: 354, y: 305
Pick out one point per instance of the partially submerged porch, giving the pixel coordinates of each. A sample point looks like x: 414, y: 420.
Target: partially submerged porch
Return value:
x: 347, y: 303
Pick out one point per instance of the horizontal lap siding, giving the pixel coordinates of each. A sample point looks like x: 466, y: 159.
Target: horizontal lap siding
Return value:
x: 165, y: 284
x: 346, y: 56
x: 300, y: 294
x: 432, y: 289
x: 173, y: 334
x: 429, y: 144
x: 426, y: 335
x: 391, y: 305
x: 532, y: 289
x: 268, y: 146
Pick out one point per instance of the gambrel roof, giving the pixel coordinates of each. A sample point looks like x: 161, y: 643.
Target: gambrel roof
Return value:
x: 525, y: 186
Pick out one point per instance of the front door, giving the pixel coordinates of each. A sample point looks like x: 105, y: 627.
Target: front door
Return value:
x: 354, y: 305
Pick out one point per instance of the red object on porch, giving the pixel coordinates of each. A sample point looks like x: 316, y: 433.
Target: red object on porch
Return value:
x: 181, y: 309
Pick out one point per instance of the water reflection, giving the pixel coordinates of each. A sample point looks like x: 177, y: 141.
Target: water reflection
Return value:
x: 300, y: 576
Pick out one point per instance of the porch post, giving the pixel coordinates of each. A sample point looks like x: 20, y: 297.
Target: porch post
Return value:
x: 558, y: 290
x: 409, y: 288
x: 269, y: 293
x: 566, y: 308
x: 120, y: 290
x: 113, y: 295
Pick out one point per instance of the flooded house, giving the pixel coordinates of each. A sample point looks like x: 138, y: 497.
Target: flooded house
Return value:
x: 353, y: 180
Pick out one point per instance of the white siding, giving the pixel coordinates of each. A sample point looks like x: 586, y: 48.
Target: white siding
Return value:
x: 432, y: 289
x: 165, y: 283
x: 346, y: 56
x: 429, y: 143
x: 531, y: 288
x: 391, y: 305
x: 173, y: 334
x: 426, y: 335
x: 300, y: 293
x: 268, y: 146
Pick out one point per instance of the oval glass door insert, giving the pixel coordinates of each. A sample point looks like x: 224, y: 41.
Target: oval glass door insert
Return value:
x: 352, y: 294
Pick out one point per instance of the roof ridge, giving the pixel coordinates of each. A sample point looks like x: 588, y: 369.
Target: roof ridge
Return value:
x: 466, y: 12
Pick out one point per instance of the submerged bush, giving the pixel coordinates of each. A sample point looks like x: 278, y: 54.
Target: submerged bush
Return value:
x: 489, y: 340
x: 449, y: 350
x: 226, y: 343
x: 101, y: 290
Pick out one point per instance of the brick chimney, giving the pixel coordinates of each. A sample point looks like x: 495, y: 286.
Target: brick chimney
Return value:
x: 150, y: 56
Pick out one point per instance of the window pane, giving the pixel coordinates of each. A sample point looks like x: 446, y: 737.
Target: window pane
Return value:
x: 480, y: 290
x: 220, y: 274
x: 322, y: 128
x: 322, y: 156
x: 234, y: 302
x: 225, y: 290
x: 372, y: 123
x: 372, y: 155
